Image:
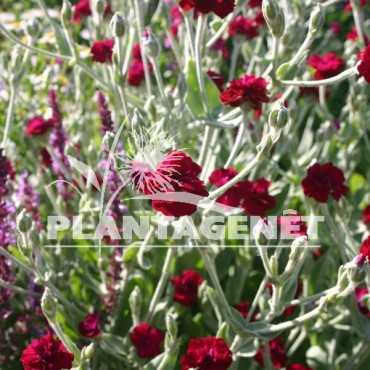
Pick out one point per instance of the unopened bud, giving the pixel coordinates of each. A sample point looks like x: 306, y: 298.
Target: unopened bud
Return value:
x: 278, y: 118
x: 118, y: 25
x: 99, y: 6
x: 24, y: 222
x: 135, y: 301
x: 87, y: 353
x: 108, y: 140
x: 171, y: 325
x: 49, y: 305
x: 151, y: 45
x: 16, y: 58
x: 274, y: 17
x: 151, y: 108
x: 137, y: 120
x: 33, y: 27
x: 67, y: 14
x: 263, y: 232
x: 270, y: 9
x: 317, y: 20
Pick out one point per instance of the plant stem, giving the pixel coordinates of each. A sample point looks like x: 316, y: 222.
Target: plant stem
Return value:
x: 9, y: 116
x: 328, y: 81
x: 161, y: 284
x: 202, y: 22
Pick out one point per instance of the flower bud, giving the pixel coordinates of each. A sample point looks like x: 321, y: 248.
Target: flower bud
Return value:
x: 135, y: 301
x: 274, y: 17
x: 33, y: 27
x: 263, y: 232
x: 270, y: 9
x: 151, y: 108
x: 171, y: 325
x: 67, y: 14
x: 24, y: 222
x: 49, y: 305
x: 317, y: 20
x: 16, y: 59
x: 118, y: 25
x: 278, y: 118
x: 99, y: 6
x: 87, y: 353
x: 108, y: 140
x: 137, y: 120
x: 151, y: 45
x: 279, y: 26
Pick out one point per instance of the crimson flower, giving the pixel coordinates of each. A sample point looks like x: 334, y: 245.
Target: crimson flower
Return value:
x: 218, y: 79
x: 335, y: 27
x: 207, y: 354
x: 323, y: 180
x: 244, y: 27
x: 147, y: 340
x: 249, y: 90
x: 136, y: 74
x: 326, y: 66
x: 292, y: 224
x: 82, y: 9
x: 255, y: 3
x: 46, y: 353
x: 220, y: 45
x: 365, y: 248
x: 256, y: 199
x: 220, y: 177
x: 39, y: 126
x: 243, y: 308
x: 277, y: 353
x: 102, y: 51
x: 297, y: 366
x: 222, y: 8
x: 90, y: 326
x: 359, y: 294
x: 364, y: 67
x: 186, y: 287
x: 366, y: 215
x: 348, y: 7
x: 176, y: 173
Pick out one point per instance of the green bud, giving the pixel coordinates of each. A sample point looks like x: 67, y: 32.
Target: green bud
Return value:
x: 137, y: 120
x: 279, y: 26
x: 118, y: 25
x: 151, y: 45
x: 33, y: 27
x: 87, y: 353
x: 171, y: 325
x: 270, y: 9
x: 67, y: 14
x: 108, y: 140
x: 49, y: 305
x: 151, y: 108
x: 317, y: 20
x: 263, y: 232
x: 99, y: 6
x: 278, y: 118
x: 274, y: 264
x: 135, y: 301
x: 16, y: 59
x: 24, y: 222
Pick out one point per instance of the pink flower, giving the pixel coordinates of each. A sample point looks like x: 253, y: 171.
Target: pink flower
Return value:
x: 277, y: 354
x: 222, y: 8
x: 360, y: 293
x: 37, y: 126
x: 366, y: 215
